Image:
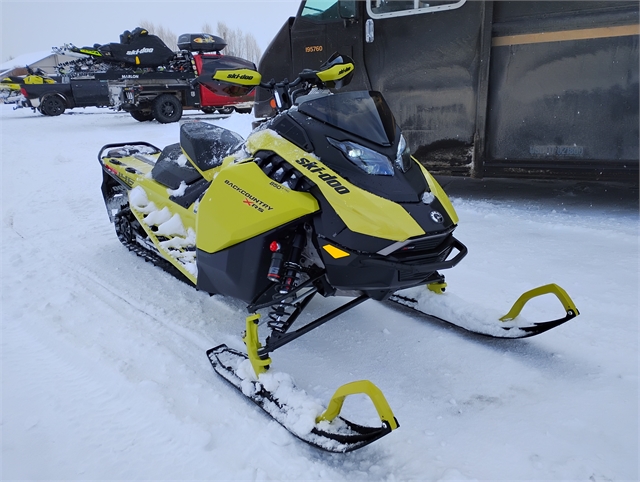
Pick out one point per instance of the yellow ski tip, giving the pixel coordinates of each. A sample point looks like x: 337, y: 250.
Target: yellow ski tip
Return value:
x: 362, y: 386
x: 551, y: 288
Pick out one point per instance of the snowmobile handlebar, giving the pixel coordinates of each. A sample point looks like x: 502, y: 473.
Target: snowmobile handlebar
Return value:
x: 285, y: 92
x: 335, y: 73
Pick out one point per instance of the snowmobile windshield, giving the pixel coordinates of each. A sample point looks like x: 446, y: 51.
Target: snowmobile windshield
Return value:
x: 365, y: 114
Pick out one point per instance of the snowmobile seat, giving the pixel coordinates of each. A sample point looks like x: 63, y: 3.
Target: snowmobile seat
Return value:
x: 207, y: 145
x: 168, y: 171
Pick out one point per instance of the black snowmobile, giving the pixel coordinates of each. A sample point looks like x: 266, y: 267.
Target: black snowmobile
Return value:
x: 323, y: 199
x: 136, y: 48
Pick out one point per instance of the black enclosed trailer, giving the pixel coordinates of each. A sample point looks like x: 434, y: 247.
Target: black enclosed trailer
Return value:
x: 545, y: 89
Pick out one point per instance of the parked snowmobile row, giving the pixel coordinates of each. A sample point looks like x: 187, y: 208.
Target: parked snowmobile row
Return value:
x: 322, y: 199
x: 143, y: 76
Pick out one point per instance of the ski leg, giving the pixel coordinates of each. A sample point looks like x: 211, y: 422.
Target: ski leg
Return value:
x: 250, y: 338
x: 437, y: 287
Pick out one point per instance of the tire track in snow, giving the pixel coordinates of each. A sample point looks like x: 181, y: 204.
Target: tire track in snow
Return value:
x: 154, y: 363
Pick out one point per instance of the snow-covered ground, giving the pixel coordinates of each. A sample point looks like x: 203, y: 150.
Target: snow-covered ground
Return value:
x: 104, y: 372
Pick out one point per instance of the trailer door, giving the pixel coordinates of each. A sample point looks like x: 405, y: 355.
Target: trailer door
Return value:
x: 425, y: 57
x: 323, y: 27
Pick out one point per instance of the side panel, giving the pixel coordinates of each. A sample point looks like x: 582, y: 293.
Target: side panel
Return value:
x: 563, y: 92
x: 90, y: 93
x: 242, y: 203
x: 241, y: 270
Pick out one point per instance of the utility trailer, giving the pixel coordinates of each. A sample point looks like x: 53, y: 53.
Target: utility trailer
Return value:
x: 142, y: 76
x: 540, y: 89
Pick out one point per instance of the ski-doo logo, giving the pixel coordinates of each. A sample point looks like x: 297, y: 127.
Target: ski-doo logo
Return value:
x: 329, y: 179
x: 240, y: 76
x: 145, y: 50
x: 249, y: 199
x: 344, y: 71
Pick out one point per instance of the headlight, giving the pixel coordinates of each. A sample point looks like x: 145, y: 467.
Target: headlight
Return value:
x: 368, y: 160
x: 403, y: 158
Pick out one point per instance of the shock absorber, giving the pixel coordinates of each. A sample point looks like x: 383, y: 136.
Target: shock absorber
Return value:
x: 292, y: 267
x: 280, y: 314
x: 276, y: 262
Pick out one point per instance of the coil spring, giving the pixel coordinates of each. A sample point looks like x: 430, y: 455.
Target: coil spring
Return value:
x: 279, y: 316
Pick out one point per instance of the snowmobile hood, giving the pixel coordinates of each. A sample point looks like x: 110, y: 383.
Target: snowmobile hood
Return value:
x: 361, y: 211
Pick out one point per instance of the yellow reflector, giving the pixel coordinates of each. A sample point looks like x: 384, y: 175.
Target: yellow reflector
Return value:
x: 337, y: 253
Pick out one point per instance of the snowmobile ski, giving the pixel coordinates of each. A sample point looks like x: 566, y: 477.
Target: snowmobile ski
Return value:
x: 504, y: 327
x: 272, y: 392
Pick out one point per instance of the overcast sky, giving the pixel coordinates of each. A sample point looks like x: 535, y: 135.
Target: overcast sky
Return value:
x: 35, y: 26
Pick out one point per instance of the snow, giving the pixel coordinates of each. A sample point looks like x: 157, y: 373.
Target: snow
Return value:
x: 104, y: 372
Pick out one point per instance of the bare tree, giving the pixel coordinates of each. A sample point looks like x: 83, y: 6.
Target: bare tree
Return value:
x: 239, y: 44
x: 206, y: 28
x: 167, y: 36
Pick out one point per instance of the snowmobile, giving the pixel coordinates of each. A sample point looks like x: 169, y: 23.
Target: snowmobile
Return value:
x: 11, y: 85
x: 138, y: 52
x: 322, y: 199
x: 136, y: 48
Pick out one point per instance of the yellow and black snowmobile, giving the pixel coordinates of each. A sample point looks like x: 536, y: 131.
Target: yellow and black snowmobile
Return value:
x: 323, y: 199
x: 11, y: 85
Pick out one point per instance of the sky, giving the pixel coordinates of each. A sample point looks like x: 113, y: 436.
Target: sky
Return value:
x: 32, y: 26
